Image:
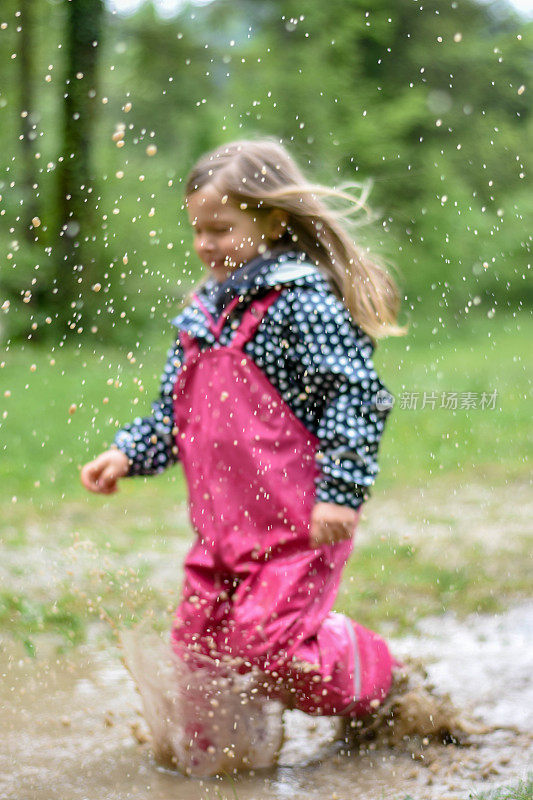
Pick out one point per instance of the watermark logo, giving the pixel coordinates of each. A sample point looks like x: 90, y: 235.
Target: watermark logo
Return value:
x: 384, y: 400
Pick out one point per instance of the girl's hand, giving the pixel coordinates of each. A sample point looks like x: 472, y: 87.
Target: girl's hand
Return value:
x: 331, y: 523
x: 102, y: 474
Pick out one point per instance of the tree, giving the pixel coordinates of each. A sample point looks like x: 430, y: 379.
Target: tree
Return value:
x: 28, y: 116
x: 75, y: 176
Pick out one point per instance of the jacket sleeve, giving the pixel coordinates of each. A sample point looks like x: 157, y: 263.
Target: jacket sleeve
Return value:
x: 334, y: 360
x: 149, y: 442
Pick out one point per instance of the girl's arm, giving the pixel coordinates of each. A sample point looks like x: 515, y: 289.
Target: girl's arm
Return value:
x: 333, y: 360
x: 149, y: 442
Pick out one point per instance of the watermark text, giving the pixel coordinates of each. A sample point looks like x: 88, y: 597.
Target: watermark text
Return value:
x: 449, y: 401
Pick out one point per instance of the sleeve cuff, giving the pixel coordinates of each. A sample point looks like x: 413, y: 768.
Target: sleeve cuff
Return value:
x: 124, y: 442
x: 342, y: 494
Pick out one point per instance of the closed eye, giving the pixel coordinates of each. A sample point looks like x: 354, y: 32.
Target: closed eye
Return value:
x: 212, y: 230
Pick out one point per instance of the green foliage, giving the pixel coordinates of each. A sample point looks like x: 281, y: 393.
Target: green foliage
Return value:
x: 424, y: 100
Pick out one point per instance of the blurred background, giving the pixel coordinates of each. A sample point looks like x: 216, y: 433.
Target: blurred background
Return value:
x: 104, y: 108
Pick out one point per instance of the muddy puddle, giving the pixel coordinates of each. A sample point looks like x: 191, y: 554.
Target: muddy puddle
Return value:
x: 71, y: 728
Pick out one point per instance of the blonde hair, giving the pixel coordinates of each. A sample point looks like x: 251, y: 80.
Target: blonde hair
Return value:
x: 261, y: 175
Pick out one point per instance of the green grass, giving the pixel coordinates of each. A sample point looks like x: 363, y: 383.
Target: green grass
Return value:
x: 386, y: 583
x: 520, y: 791
x: 28, y: 617
x: 62, y: 408
x: 44, y: 445
x: 477, y: 355
x: 115, y: 596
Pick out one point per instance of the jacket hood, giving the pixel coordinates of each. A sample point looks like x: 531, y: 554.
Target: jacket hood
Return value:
x: 253, y: 279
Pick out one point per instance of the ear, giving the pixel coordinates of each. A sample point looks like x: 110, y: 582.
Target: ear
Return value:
x: 277, y: 222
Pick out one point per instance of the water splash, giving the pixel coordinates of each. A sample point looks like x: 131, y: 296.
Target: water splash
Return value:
x: 204, y: 717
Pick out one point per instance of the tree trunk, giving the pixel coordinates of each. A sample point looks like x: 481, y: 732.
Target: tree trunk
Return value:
x: 28, y: 117
x: 75, y: 264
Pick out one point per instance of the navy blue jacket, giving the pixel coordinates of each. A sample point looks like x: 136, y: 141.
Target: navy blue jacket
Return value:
x: 319, y: 361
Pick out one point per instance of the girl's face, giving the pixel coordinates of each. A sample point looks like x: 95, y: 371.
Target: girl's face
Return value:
x: 226, y: 237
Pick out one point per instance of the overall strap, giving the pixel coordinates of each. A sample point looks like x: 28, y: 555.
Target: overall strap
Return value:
x: 250, y: 322
x: 216, y: 327
x: 189, y: 345
x: 252, y: 318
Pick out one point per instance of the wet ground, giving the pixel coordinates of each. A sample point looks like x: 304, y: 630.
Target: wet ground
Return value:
x: 71, y: 728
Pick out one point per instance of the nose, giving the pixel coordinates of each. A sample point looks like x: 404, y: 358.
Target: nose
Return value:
x: 204, y: 244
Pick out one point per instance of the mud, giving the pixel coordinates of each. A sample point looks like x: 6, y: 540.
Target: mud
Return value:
x: 72, y: 728
x: 205, y: 718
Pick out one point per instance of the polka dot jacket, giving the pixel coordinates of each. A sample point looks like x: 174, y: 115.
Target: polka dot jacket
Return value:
x: 319, y: 361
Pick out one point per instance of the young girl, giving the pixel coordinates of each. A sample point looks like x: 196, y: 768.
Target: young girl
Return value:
x: 269, y: 400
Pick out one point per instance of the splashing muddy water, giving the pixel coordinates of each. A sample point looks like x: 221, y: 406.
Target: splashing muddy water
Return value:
x: 204, y: 718
x: 73, y: 728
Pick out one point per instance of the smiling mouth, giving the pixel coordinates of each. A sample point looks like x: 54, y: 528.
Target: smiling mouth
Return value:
x: 223, y: 264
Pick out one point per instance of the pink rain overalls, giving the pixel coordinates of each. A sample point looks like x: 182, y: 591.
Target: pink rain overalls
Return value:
x: 255, y: 591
